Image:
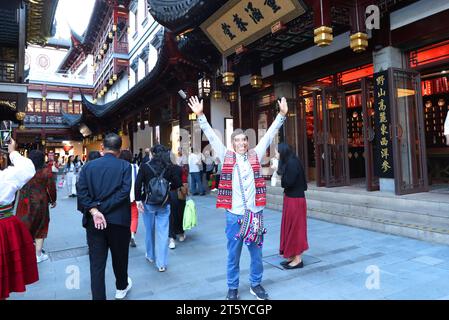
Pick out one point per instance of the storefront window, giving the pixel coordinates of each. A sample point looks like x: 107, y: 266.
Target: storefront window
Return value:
x: 30, y: 106
x: 37, y: 105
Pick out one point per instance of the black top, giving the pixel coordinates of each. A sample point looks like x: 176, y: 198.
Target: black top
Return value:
x: 105, y: 184
x: 146, y: 174
x: 294, y: 179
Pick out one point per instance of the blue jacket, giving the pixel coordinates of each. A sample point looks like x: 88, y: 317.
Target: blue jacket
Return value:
x: 105, y: 184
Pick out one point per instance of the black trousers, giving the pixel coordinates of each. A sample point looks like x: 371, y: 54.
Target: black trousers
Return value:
x: 116, y: 238
x: 176, y: 215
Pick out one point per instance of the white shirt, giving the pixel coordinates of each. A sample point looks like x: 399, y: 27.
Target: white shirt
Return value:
x: 195, y: 164
x: 182, y: 160
x: 446, y: 125
x: 15, y: 177
x: 246, y: 170
x: 134, y: 172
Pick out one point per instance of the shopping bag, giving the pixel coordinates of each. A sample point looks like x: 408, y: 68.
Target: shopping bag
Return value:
x: 61, y: 183
x: 190, y: 219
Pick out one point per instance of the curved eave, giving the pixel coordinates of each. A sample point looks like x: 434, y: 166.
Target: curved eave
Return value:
x: 149, y: 81
x: 72, y: 119
x: 181, y: 15
x: 98, y: 13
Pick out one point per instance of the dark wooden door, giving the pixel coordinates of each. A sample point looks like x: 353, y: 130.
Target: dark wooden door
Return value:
x: 336, y: 139
x: 408, y: 135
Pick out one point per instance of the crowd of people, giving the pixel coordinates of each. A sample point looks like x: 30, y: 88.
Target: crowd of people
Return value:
x: 113, y: 187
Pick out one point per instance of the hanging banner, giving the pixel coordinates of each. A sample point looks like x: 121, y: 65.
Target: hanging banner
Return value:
x: 383, y: 153
x: 240, y: 23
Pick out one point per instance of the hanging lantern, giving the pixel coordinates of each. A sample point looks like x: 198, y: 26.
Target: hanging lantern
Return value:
x: 20, y: 116
x: 114, y: 27
x: 216, y: 94
x: 256, y: 81
x: 192, y: 116
x: 204, y: 87
x: 44, y: 98
x: 120, y: 133
x: 111, y: 82
x: 105, y: 89
x: 101, y: 52
x: 110, y: 35
x: 359, y: 41
x: 21, y: 127
x: 114, y: 77
x: 105, y: 46
x: 94, y: 101
x: 228, y: 78
x: 323, y: 36
x: 232, y: 96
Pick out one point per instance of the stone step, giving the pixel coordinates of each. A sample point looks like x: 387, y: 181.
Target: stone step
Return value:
x: 425, y: 203
x: 424, y: 218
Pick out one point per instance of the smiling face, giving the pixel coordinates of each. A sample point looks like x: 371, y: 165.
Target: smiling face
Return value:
x: 240, y: 143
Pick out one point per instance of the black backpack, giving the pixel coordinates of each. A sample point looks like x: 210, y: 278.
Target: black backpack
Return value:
x: 157, y: 189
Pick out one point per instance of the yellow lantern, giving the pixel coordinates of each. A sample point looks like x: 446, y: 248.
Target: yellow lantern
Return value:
x: 323, y: 36
x: 256, y: 81
x: 216, y: 94
x: 114, y: 77
x: 228, y: 78
x: 111, y: 82
x: 359, y: 41
x: 20, y: 116
x: 232, y: 96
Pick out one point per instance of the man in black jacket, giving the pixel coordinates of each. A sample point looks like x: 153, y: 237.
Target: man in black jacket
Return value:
x: 103, y: 192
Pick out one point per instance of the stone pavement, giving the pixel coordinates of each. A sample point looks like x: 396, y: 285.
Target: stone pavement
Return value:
x: 342, y: 263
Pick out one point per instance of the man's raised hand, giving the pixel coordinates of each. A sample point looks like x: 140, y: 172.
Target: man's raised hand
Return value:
x: 283, y: 107
x: 196, y: 105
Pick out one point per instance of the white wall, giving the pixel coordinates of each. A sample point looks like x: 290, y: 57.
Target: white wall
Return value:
x: 219, y: 110
x: 142, y: 139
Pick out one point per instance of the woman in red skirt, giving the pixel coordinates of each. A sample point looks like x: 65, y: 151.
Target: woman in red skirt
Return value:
x: 18, y: 265
x: 294, y: 212
x: 34, y: 199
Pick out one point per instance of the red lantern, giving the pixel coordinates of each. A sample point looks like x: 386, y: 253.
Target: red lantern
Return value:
x: 67, y: 148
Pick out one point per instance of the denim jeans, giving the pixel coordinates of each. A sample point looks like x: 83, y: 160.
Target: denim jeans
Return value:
x: 156, y: 220
x: 234, y: 252
x: 196, y: 178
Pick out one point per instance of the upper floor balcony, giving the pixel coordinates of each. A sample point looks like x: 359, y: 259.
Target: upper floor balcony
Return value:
x: 61, y: 78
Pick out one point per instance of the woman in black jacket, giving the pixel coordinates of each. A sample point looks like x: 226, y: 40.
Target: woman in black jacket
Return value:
x: 156, y: 217
x: 294, y: 212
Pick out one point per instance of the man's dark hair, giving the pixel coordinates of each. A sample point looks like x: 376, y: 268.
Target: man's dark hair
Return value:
x: 112, y: 142
x: 38, y: 159
x: 93, y: 155
x: 126, y: 155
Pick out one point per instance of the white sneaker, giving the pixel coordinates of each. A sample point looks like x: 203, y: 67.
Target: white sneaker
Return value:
x: 42, y: 257
x: 182, y: 237
x: 172, y: 244
x: 121, y: 294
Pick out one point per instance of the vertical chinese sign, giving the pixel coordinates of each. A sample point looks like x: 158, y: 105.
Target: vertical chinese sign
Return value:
x: 384, y: 146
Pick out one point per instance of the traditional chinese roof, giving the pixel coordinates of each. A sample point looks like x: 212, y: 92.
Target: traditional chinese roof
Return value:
x: 180, y: 15
x: 77, y: 47
x: 72, y: 119
x: 152, y: 86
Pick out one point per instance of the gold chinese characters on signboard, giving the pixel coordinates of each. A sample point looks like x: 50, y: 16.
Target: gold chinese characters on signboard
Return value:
x: 10, y: 104
x: 242, y: 22
x: 383, y: 122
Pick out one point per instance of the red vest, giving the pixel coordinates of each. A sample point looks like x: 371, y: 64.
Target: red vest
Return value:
x: 224, y: 198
